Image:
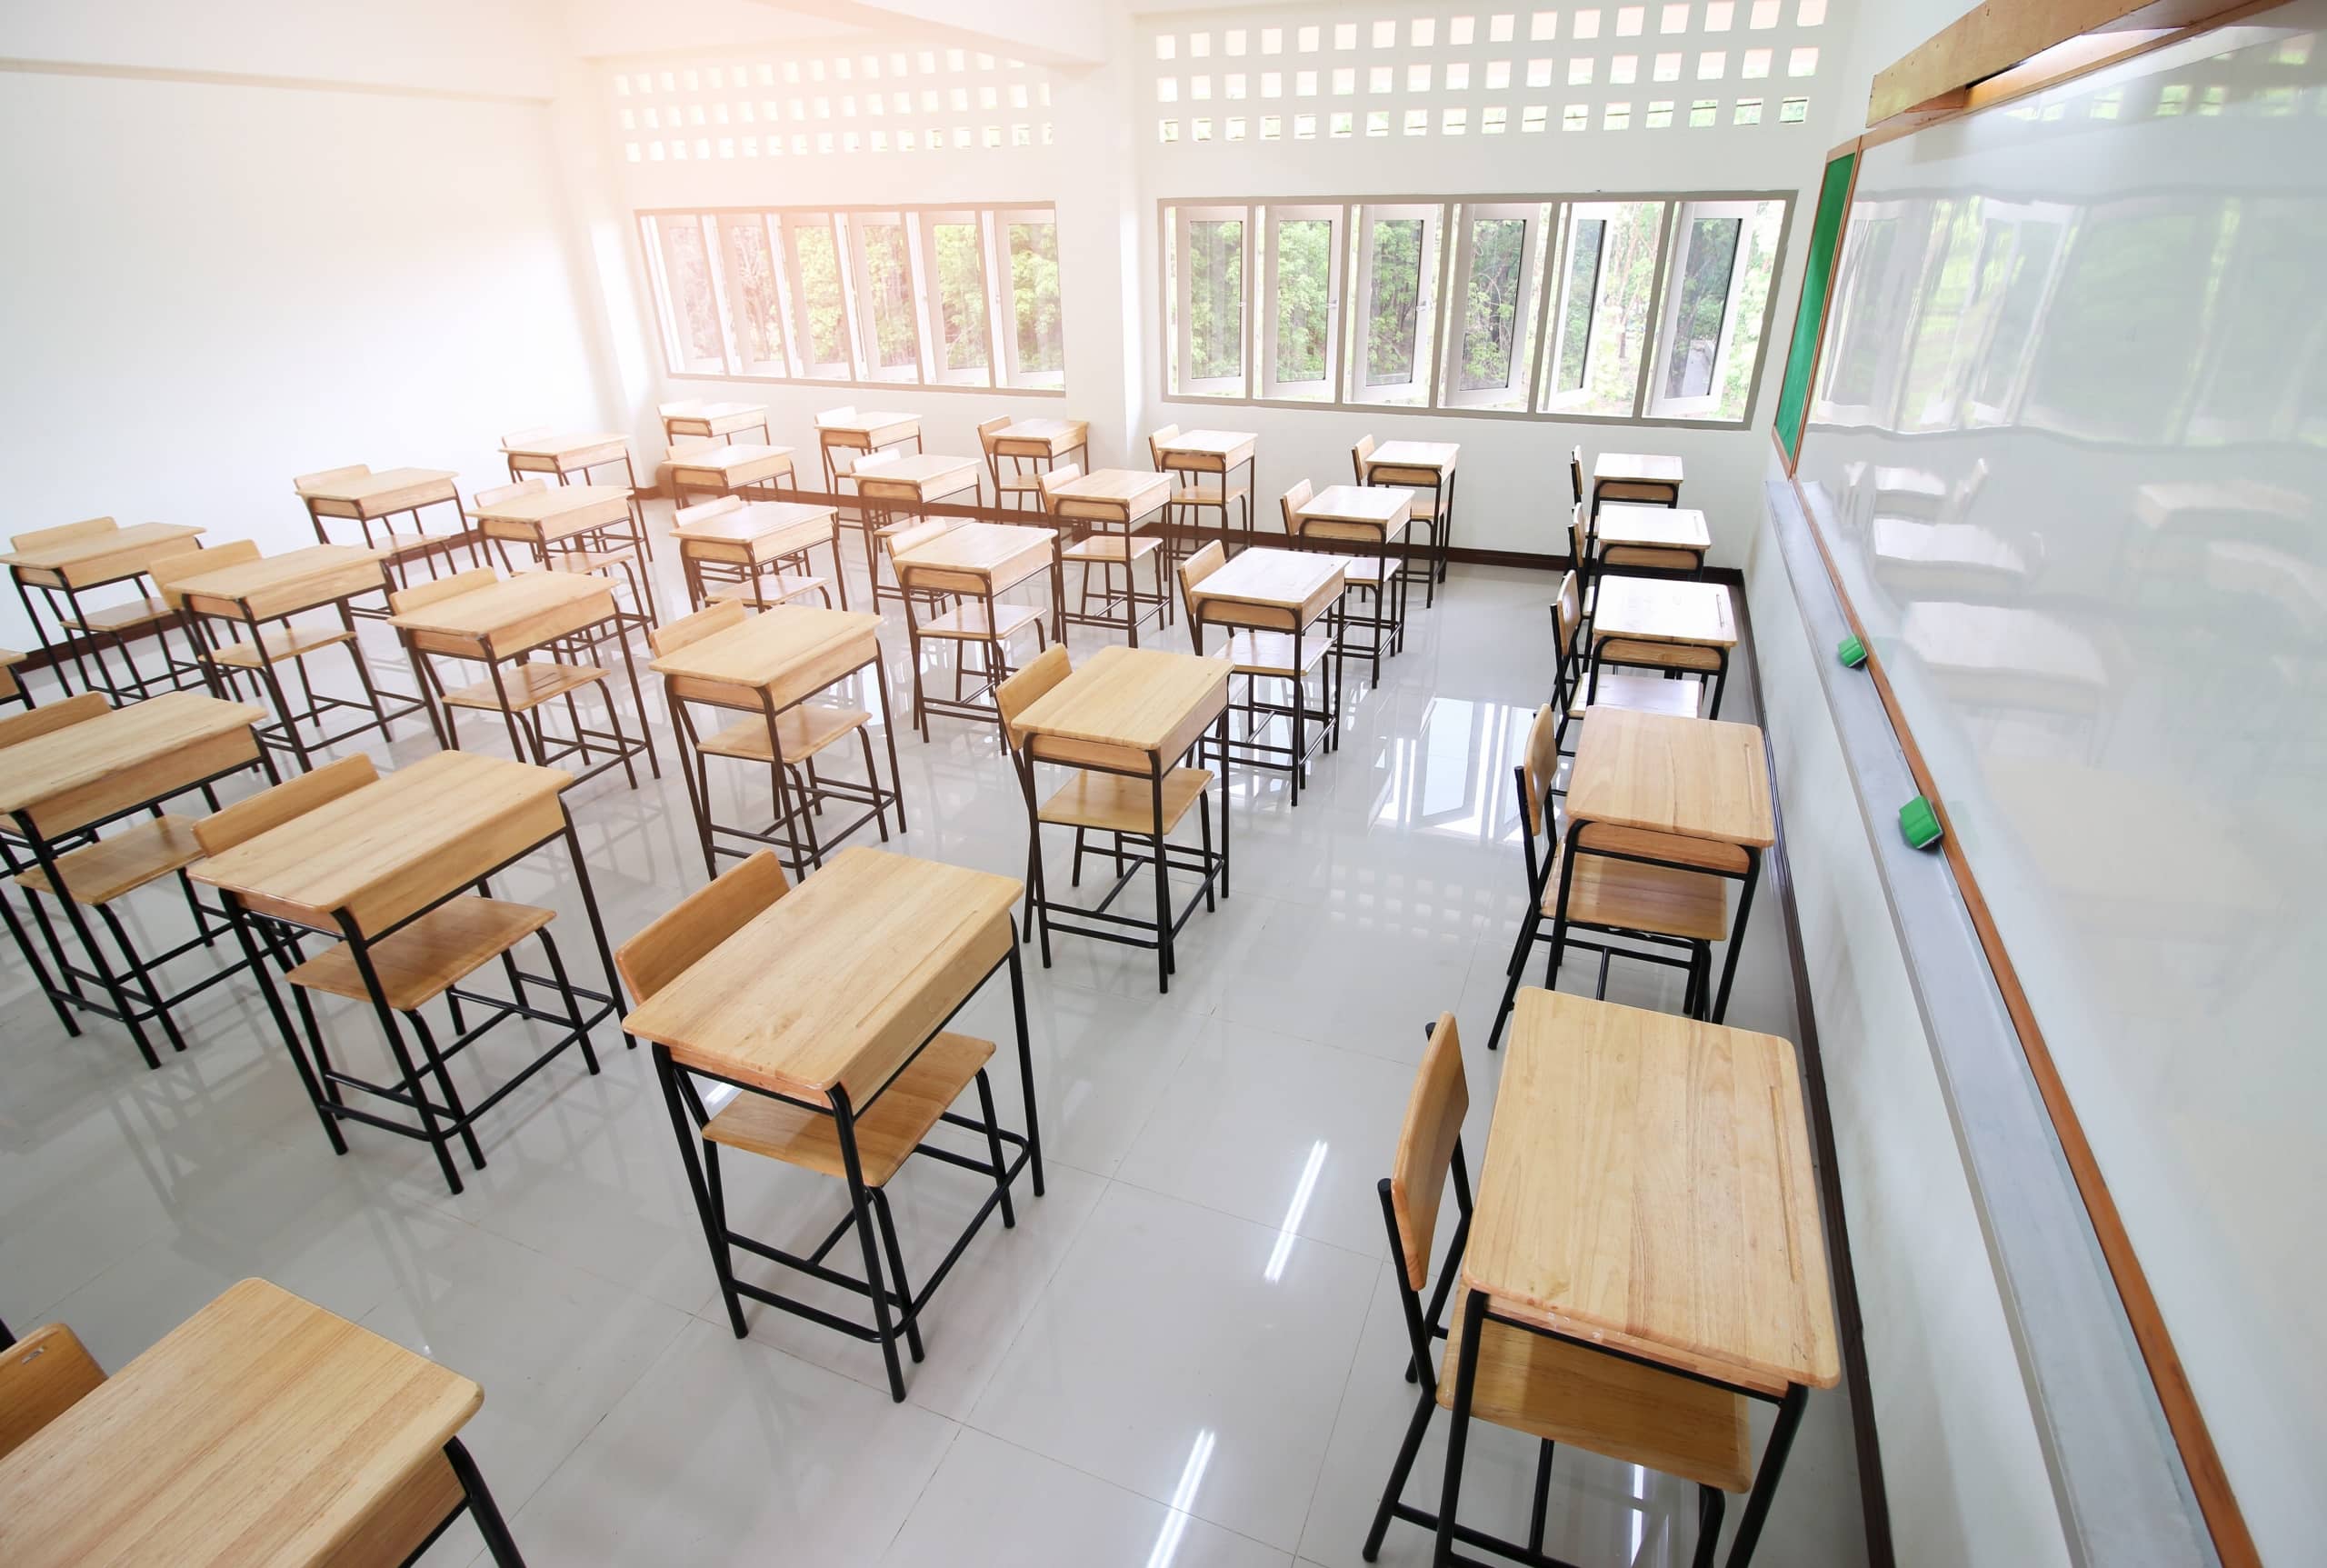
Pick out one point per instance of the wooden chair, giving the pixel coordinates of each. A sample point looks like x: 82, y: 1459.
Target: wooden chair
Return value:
x: 1191, y: 500
x: 608, y: 552
x: 1019, y: 489
x: 1664, y: 897
x: 1550, y: 1389
x: 1112, y: 792
x: 718, y: 571
x: 12, y: 686
x: 1425, y: 510
x: 1700, y: 671
x: 801, y: 1130
x: 227, y: 662
x: 1179, y: 541
x: 976, y: 619
x: 403, y: 546
x: 116, y: 624
x: 1604, y: 491
x: 421, y: 959
x: 1575, y: 473
x: 785, y: 741
x: 1103, y: 549
x: 1381, y: 585
x: 1262, y: 646
x: 42, y: 1376
x: 1682, y: 697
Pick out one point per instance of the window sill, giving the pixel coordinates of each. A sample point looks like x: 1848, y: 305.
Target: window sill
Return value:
x: 1420, y: 410
x: 870, y: 385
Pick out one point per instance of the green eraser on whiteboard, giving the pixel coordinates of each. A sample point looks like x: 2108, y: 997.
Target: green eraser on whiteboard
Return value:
x: 1852, y: 652
x: 1919, y: 823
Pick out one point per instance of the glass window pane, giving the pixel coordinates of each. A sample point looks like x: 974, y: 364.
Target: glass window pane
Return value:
x: 1616, y: 346
x: 820, y: 295
x: 961, y: 297
x: 1215, y: 298
x: 1584, y: 247
x: 1491, y: 314
x: 888, y: 295
x: 1699, y: 304
x: 686, y: 272
x: 752, y: 292
x: 1753, y: 308
x: 1033, y: 286
x: 1395, y: 297
x: 1305, y: 261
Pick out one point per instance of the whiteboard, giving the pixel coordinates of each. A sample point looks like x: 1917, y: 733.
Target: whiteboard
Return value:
x: 2068, y: 454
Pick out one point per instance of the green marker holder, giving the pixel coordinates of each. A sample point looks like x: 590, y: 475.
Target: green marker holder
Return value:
x: 1852, y: 652
x: 1919, y: 823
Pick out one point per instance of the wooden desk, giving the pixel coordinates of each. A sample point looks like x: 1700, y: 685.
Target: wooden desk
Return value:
x: 1653, y: 470
x: 94, y: 560
x: 275, y: 588
x: 1596, y: 1224
x: 500, y: 623
x: 1207, y: 451
x: 916, y: 479
x: 1291, y: 588
x: 367, y: 865
x: 1655, y: 610
x: 63, y: 570
x: 788, y: 650
x: 1630, y: 526
x: 555, y: 524
x: 989, y: 557
x: 562, y: 453
x: 262, y: 1430
x: 741, y: 539
x: 1041, y: 438
x: 699, y: 418
x: 730, y: 469
x: 1358, y: 513
x: 849, y: 431
x: 1277, y: 597
x: 1423, y: 466
x: 104, y: 768
x: 367, y: 498
x: 1117, y: 496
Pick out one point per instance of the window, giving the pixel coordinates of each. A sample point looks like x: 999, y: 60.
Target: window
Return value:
x: 1211, y: 246
x: 1300, y: 325
x: 1603, y: 311
x: 1495, y: 283
x: 960, y: 296
x: 1397, y: 295
x: 1717, y: 288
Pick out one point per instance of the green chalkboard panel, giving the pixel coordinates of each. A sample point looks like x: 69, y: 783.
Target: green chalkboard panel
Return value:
x: 1802, y: 358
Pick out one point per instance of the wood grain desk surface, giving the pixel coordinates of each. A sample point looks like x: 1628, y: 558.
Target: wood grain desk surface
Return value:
x: 929, y: 473
x: 283, y: 584
x: 745, y: 521
x: 1378, y: 503
x: 1142, y: 698
x: 885, y: 426
x: 729, y: 454
x: 1639, y: 467
x: 139, y: 540
x: 561, y: 444
x: 697, y: 408
x: 988, y: 549
x: 44, y: 776
x: 1040, y: 437
x: 1278, y: 579
x: 1127, y: 492
x: 1625, y: 523
x: 1437, y: 455
x: 1698, y: 778
x: 1664, y: 610
x: 357, y: 488
x: 552, y: 501
x: 1647, y: 1183
x: 397, y: 843
x: 841, y: 981
x: 763, y: 649
x: 262, y: 1430
x: 512, y: 601
x: 1217, y: 444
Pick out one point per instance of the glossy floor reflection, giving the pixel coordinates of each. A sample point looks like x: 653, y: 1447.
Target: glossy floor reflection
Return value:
x: 1189, y: 1352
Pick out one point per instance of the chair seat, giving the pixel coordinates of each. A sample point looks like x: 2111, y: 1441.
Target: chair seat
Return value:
x: 885, y: 1134
x: 1645, y: 694
x: 122, y: 862
x: 1113, y: 547
x: 590, y: 560
x: 1364, y: 571
x: 1208, y: 495
x: 529, y: 686
x: 274, y: 646
x: 1019, y: 482
x: 434, y: 953
x: 1660, y: 655
x: 772, y: 589
x: 967, y: 621
x: 1630, y: 896
x: 803, y: 732
x: 1120, y: 805
x: 118, y: 617
x: 1629, y: 1413
x: 1270, y: 653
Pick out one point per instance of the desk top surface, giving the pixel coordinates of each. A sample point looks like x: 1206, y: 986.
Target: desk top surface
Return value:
x: 762, y: 649
x: 481, y: 611
x: 747, y: 520
x: 1653, y: 527
x: 64, y: 761
x: 1698, y: 778
x: 92, y: 546
x: 363, y: 486
x: 980, y: 546
x: 552, y: 501
x: 1647, y: 467
x: 1664, y: 610
x: 1135, y: 697
x: 1381, y: 503
x: 1284, y: 578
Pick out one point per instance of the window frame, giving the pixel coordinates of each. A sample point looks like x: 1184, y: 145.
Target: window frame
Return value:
x: 856, y: 266
x: 1433, y: 217
x: 795, y: 224
x: 1518, y: 378
x: 1680, y: 232
x: 1216, y: 386
x: 1004, y: 220
x: 731, y: 316
x: 928, y: 221
x: 1336, y: 215
x: 666, y: 306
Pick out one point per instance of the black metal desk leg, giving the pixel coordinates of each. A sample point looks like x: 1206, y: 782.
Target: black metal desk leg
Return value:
x: 1765, y: 1475
x: 1450, y: 1493
x: 482, y: 1509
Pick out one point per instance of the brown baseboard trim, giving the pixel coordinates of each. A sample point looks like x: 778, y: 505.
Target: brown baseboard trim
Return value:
x: 1874, y: 1497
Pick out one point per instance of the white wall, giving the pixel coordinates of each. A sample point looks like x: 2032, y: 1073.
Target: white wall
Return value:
x: 219, y: 285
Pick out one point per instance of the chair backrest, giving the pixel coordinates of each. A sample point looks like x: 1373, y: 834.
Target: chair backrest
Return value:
x: 673, y: 942
x: 18, y: 728
x: 42, y: 1376
x: 704, y: 511
x: 169, y: 571
x: 1539, y: 765
x: 1193, y: 571
x: 1568, y: 609
x: 247, y: 819
x: 1292, y: 502
x: 1435, y: 1112
x: 331, y: 475
x: 1575, y: 472
x: 495, y: 495
x: 987, y: 427
x: 1577, y: 545
x: 671, y: 635
x: 1155, y: 440
x: 39, y: 537
x: 1054, y: 479
x: 421, y: 594
x: 1358, y: 455
x: 1021, y: 691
